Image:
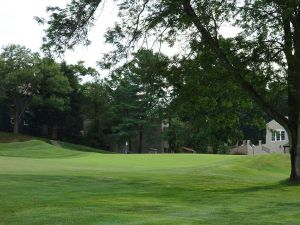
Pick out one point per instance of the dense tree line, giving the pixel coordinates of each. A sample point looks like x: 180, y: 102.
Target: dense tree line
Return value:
x: 152, y: 88
x: 40, y: 96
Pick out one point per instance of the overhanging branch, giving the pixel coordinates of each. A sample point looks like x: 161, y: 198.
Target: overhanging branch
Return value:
x: 245, y: 85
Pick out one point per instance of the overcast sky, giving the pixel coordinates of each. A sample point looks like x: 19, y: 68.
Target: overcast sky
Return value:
x: 17, y: 26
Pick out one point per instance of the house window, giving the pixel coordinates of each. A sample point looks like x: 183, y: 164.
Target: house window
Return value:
x: 273, y: 135
x: 282, y: 134
x: 278, y: 135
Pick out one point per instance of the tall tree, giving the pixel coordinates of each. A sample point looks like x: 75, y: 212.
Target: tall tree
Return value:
x: 19, y: 80
x: 73, y: 116
x: 267, y: 50
x: 138, y: 91
x: 127, y: 109
x: 53, y: 97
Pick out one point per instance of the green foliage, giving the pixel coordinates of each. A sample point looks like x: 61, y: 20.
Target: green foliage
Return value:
x: 18, y: 72
x: 259, y: 52
x: 19, y: 80
x: 72, y: 117
x: 207, y: 101
x: 53, y: 97
x: 178, y: 134
x: 54, y: 86
x: 138, y: 94
x: 211, y: 107
x: 94, y: 107
x: 45, y: 93
x: 128, y: 108
x: 200, y: 106
x: 80, y: 70
x: 73, y: 23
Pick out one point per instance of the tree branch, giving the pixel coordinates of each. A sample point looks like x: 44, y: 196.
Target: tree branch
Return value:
x: 245, y: 85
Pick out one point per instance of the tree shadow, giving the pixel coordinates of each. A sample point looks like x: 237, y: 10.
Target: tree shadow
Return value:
x: 257, y: 188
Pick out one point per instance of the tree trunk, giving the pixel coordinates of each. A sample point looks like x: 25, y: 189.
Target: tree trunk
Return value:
x: 294, y: 104
x: 294, y: 141
x: 16, y: 120
x: 54, y: 135
x: 141, y: 140
x: 16, y: 126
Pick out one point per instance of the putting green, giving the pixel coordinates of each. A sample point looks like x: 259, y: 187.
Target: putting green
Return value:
x: 41, y: 184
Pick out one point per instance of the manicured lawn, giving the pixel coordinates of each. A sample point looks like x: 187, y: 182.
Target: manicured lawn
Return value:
x: 44, y: 185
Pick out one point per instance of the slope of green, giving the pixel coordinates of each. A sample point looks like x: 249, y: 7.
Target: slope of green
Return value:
x: 35, y: 149
x: 93, y: 188
x: 83, y: 148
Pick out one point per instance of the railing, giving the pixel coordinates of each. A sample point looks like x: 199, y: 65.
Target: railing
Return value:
x: 265, y: 149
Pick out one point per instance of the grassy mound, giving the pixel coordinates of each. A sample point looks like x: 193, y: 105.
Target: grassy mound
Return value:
x: 35, y: 149
x: 18, y: 145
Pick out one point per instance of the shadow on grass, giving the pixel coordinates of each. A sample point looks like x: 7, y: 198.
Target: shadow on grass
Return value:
x: 280, y: 185
x: 82, y: 148
x: 288, y: 182
x: 114, y: 183
x: 99, y: 199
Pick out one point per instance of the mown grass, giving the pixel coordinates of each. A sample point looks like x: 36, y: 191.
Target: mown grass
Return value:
x: 83, y: 148
x: 84, y: 188
x: 20, y: 145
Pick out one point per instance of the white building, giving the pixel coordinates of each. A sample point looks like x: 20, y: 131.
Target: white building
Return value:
x: 276, y: 142
x: 277, y: 139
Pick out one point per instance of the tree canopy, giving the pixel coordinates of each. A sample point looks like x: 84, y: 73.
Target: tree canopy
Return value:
x: 19, y: 80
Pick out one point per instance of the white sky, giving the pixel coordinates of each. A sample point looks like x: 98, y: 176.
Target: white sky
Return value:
x: 17, y: 26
